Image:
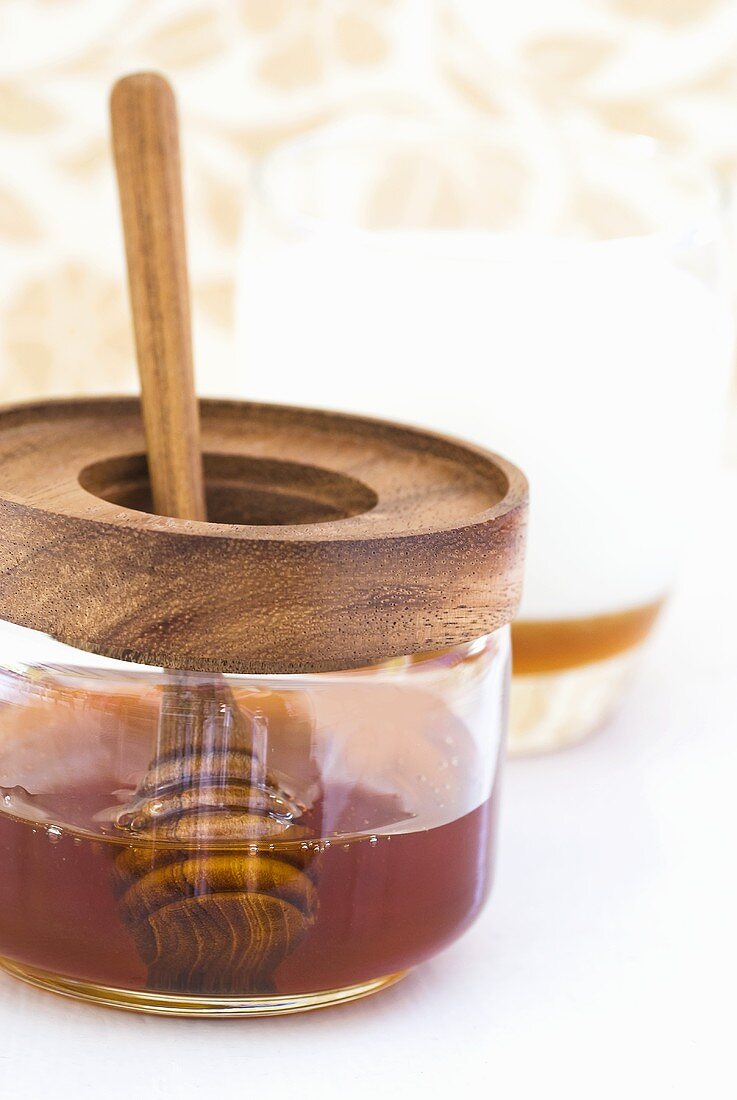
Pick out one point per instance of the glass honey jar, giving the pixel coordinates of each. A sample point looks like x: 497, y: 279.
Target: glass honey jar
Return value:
x: 249, y: 765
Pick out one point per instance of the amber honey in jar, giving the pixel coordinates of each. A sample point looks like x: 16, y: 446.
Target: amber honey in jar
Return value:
x: 351, y: 819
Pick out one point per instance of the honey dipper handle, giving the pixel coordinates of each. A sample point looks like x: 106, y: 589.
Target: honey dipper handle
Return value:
x: 146, y: 148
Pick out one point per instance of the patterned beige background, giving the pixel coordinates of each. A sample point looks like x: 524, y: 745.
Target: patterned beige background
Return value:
x: 250, y: 73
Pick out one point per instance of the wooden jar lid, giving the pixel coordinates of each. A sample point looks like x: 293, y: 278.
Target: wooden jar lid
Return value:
x: 336, y: 541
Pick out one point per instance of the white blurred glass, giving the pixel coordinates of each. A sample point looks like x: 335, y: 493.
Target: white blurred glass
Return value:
x: 562, y: 300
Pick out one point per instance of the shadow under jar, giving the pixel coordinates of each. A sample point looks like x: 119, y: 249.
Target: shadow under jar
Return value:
x: 226, y: 839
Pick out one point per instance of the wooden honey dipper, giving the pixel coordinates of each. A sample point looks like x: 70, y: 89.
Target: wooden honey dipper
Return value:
x: 206, y: 918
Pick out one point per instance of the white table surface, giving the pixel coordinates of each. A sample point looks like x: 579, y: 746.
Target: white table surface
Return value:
x: 604, y: 965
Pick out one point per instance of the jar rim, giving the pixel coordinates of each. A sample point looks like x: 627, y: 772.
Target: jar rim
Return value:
x: 35, y: 653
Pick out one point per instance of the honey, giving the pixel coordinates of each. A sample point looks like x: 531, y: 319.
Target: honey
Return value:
x: 257, y: 842
x: 550, y: 645
x: 385, y: 900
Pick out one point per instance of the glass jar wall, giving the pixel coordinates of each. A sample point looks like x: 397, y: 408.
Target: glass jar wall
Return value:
x: 185, y: 843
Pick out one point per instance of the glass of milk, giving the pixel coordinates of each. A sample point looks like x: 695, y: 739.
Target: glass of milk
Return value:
x: 559, y: 298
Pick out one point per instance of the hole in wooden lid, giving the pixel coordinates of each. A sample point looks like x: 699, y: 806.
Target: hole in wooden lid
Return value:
x: 241, y: 489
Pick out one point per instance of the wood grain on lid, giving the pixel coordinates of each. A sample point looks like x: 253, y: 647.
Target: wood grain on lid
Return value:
x: 337, y: 540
